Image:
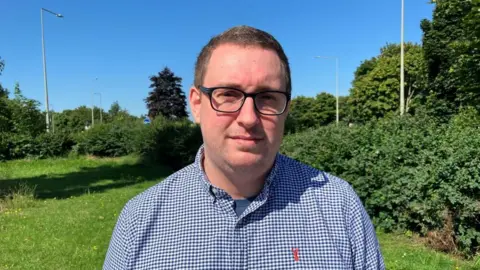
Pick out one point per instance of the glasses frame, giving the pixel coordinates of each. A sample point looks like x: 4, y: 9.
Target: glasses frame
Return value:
x: 209, y: 91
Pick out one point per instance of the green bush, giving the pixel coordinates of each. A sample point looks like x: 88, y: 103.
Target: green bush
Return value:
x: 20, y: 146
x: 52, y: 145
x: 109, y: 140
x: 173, y: 143
x: 412, y: 173
x: 4, y: 146
x: 17, y: 146
x: 456, y: 174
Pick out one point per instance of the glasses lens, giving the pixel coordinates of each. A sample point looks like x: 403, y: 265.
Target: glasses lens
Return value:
x: 227, y: 100
x: 271, y: 102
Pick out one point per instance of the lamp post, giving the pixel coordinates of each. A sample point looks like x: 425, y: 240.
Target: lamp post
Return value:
x: 402, y: 64
x: 45, y: 64
x: 336, y: 81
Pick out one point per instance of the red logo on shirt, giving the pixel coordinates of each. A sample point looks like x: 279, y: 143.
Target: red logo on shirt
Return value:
x: 295, y: 254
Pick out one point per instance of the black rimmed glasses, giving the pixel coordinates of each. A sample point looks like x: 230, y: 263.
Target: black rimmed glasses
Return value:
x: 230, y: 100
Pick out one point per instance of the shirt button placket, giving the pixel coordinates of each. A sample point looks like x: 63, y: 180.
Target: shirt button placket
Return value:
x: 240, y: 244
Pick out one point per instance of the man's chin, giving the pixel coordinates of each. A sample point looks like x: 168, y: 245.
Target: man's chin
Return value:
x: 248, y: 146
x: 245, y: 158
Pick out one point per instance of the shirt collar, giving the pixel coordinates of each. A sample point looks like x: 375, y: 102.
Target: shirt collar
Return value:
x: 215, y: 192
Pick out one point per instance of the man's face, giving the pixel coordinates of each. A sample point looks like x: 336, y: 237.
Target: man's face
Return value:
x: 245, y: 138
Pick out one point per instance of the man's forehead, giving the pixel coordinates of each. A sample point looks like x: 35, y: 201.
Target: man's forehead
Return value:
x: 241, y: 66
x: 229, y: 50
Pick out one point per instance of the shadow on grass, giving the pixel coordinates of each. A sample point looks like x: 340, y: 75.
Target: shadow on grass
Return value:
x: 94, y: 179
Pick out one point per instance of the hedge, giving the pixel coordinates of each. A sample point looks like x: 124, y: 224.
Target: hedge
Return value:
x: 109, y: 140
x: 17, y: 146
x: 173, y: 143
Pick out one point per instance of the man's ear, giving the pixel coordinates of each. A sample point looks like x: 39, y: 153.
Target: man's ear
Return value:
x: 195, y: 103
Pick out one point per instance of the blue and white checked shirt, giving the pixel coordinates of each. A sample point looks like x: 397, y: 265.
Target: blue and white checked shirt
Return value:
x: 302, y: 219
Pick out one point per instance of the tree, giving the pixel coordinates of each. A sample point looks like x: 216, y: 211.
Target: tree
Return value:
x: 75, y: 120
x: 3, y: 92
x: 376, y: 86
x: 114, y: 109
x: 451, y: 42
x: 25, y: 115
x: 167, y: 97
x: 2, y: 65
x: 365, y: 67
x: 344, y: 110
x: 5, y: 114
x: 116, y: 113
x: 308, y: 112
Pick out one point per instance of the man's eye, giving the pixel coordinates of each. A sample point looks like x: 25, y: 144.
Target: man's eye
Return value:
x: 227, y: 94
x: 268, y: 97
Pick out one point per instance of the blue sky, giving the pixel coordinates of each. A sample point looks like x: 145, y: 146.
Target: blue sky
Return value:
x: 122, y: 43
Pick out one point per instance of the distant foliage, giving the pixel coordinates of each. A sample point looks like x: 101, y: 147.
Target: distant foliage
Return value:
x: 376, y: 86
x: 2, y: 65
x: 108, y: 140
x: 25, y: 115
x: 412, y: 173
x: 451, y: 44
x: 51, y: 144
x: 307, y: 112
x: 4, y: 146
x: 5, y: 113
x: 173, y: 143
x: 18, y: 146
x: 75, y: 120
x: 117, y: 113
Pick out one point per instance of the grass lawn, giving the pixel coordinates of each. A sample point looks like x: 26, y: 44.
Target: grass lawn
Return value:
x: 69, y: 223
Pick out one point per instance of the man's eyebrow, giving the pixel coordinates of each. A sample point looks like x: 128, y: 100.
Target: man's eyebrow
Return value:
x: 238, y: 86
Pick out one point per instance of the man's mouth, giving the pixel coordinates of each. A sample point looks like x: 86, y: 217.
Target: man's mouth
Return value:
x: 246, y: 138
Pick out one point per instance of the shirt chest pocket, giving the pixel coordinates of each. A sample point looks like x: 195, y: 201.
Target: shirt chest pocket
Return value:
x: 297, y: 244
x: 305, y: 255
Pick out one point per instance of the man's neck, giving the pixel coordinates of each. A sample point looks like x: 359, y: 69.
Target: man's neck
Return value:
x: 239, y: 183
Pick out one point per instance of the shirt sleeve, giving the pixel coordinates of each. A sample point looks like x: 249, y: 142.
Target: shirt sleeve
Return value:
x: 365, y: 247
x: 118, y: 252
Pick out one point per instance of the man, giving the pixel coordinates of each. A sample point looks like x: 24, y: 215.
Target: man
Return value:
x: 241, y: 204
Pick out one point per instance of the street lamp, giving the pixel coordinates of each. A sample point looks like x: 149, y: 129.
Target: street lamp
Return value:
x: 45, y: 63
x: 336, y: 79
x: 402, y: 65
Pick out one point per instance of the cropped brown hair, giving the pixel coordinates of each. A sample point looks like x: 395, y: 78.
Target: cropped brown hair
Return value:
x: 243, y: 36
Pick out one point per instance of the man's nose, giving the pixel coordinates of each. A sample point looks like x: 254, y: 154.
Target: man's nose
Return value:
x: 248, y: 115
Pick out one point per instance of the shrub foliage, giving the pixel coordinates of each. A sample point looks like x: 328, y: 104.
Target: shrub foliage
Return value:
x: 174, y: 143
